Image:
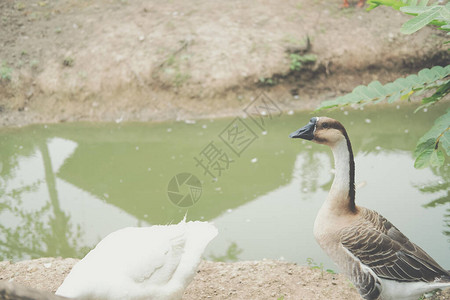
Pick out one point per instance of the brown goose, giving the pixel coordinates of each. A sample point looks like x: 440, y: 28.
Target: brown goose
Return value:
x: 381, y: 262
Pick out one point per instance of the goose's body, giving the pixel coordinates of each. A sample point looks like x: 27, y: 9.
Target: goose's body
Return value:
x: 155, y: 262
x: 380, y: 261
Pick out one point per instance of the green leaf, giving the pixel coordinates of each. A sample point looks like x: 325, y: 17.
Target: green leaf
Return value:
x: 440, y: 93
x: 427, y: 151
x: 377, y: 89
x: 414, y: 79
x: 441, y: 124
x: 427, y: 145
x: 437, y: 158
x: 401, y: 87
x: 395, y: 4
x: 421, y: 20
x: 394, y: 97
x: 445, y: 142
x: 414, y: 10
x: 423, y: 160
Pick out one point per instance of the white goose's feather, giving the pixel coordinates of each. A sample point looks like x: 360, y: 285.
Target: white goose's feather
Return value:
x: 155, y: 262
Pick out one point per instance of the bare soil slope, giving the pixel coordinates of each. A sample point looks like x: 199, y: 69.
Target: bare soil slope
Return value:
x: 104, y: 60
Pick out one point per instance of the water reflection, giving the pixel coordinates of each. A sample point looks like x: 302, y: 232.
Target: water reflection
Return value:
x: 40, y: 213
x: 231, y: 254
x: 64, y: 187
x: 441, y: 187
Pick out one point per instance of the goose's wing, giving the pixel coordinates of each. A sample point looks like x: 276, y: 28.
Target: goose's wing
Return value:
x: 380, y: 246
x: 125, y: 259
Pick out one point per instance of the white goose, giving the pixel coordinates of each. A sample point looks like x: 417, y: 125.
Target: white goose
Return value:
x: 381, y: 262
x: 155, y: 262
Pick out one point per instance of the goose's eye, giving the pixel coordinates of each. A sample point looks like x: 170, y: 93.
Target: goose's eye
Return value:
x: 325, y: 125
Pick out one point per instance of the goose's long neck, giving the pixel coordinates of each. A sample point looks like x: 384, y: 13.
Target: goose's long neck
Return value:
x: 342, y: 192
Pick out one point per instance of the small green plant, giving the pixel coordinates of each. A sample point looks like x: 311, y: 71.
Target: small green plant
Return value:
x: 180, y: 78
x: 313, y: 265
x: 266, y: 81
x: 5, y: 72
x: 68, y: 61
x: 297, y: 60
x: 171, y: 60
x: 34, y: 64
x: 20, y: 6
x: 173, y: 66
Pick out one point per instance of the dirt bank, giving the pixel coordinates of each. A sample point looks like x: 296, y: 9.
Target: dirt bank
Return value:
x: 106, y: 60
x: 242, y: 280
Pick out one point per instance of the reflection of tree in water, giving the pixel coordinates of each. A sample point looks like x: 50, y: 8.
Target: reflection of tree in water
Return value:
x: 39, y: 233
x: 230, y: 255
x: 309, y: 172
x: 440, y: 187
x: 447, y: 223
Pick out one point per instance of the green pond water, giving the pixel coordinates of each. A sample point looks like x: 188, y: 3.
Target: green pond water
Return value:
x: 64, y: 187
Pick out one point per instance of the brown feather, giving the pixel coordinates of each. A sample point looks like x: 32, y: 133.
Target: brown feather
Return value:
x: 391, y: 255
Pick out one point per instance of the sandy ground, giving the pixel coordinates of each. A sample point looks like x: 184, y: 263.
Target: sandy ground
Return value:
x: 265, y: 279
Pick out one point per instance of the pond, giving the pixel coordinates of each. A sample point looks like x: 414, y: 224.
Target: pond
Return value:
x: 63, y: 187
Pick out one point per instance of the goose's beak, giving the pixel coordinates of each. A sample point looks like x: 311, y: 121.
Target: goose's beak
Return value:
x: 306, y: 132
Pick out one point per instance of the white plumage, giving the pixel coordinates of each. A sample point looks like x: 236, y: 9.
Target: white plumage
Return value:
x: 155, y: 262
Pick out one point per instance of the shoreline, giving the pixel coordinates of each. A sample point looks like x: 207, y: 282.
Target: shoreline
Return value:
x: 265, y: 279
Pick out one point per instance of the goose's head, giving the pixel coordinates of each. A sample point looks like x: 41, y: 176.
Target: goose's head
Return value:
x: 321, y: 130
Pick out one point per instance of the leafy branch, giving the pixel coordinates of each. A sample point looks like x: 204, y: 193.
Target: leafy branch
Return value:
x: 401, y: 88
x: 427, y: 152
x: 425, y: 14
